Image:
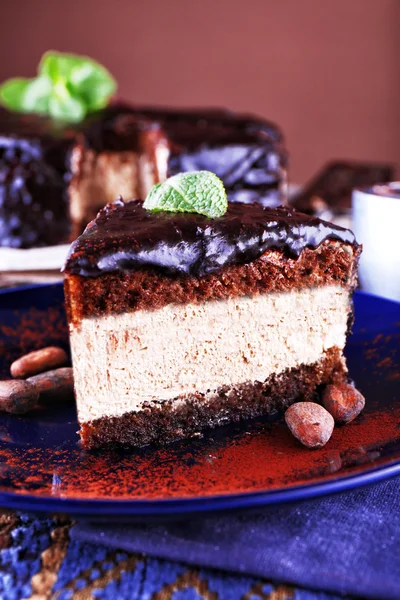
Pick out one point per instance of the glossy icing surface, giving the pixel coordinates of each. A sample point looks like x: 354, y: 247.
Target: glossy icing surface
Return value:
x: 126, y: 236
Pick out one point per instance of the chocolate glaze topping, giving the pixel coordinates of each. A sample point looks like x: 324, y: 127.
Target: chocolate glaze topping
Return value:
x: 126, y: 236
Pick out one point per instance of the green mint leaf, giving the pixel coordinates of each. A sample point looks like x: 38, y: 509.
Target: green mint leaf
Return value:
x: 50, y: 67
x: 36, y: 96
x: 85, y: 78
x: 66, y: 108
x: 152, y: 197
x: 94, y: 84
x: 12, y: 93
x: 59, y: 65
x: 26, y: 95
x: 67, y: 87
x: 200, y: 192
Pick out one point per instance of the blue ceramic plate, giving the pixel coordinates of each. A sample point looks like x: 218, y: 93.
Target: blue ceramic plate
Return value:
x: 43, y: 468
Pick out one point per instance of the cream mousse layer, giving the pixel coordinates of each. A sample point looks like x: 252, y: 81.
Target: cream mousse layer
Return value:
x: 124, y: 361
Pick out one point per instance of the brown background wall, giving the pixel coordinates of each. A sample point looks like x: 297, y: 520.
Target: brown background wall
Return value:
x: 326, y: 70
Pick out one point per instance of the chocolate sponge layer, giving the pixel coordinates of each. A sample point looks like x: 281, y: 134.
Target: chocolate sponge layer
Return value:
x: 124, y: 291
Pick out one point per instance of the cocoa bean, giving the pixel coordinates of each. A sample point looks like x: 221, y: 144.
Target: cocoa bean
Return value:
x: 343, y: 401
x: 17, y: 396
x: 310, y: 423
x: 39, y: 361
x: 57, y: 384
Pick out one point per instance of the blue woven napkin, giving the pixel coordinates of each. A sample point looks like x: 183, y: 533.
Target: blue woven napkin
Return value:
x: 348, y: 543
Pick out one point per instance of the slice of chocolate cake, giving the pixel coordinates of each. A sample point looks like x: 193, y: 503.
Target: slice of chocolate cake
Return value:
x: 179, y: 322
x: 54, y: 178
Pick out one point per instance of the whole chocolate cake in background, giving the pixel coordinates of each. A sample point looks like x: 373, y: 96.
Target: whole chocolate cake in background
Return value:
x: 63, y: 156
x: 54, y: 178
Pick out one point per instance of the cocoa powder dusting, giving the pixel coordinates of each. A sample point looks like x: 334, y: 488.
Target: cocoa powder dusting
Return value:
x: 257, y: 457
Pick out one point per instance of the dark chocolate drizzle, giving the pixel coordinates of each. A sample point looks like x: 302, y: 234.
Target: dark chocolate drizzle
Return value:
x: 126, y: 236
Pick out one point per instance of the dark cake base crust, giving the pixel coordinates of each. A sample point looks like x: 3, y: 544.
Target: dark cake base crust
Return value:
x: 163, y: 423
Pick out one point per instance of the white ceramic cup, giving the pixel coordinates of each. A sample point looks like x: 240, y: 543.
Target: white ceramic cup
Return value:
x: 376, y: 224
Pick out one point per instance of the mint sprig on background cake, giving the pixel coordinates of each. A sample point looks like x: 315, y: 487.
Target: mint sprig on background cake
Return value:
x: 67, y: 87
